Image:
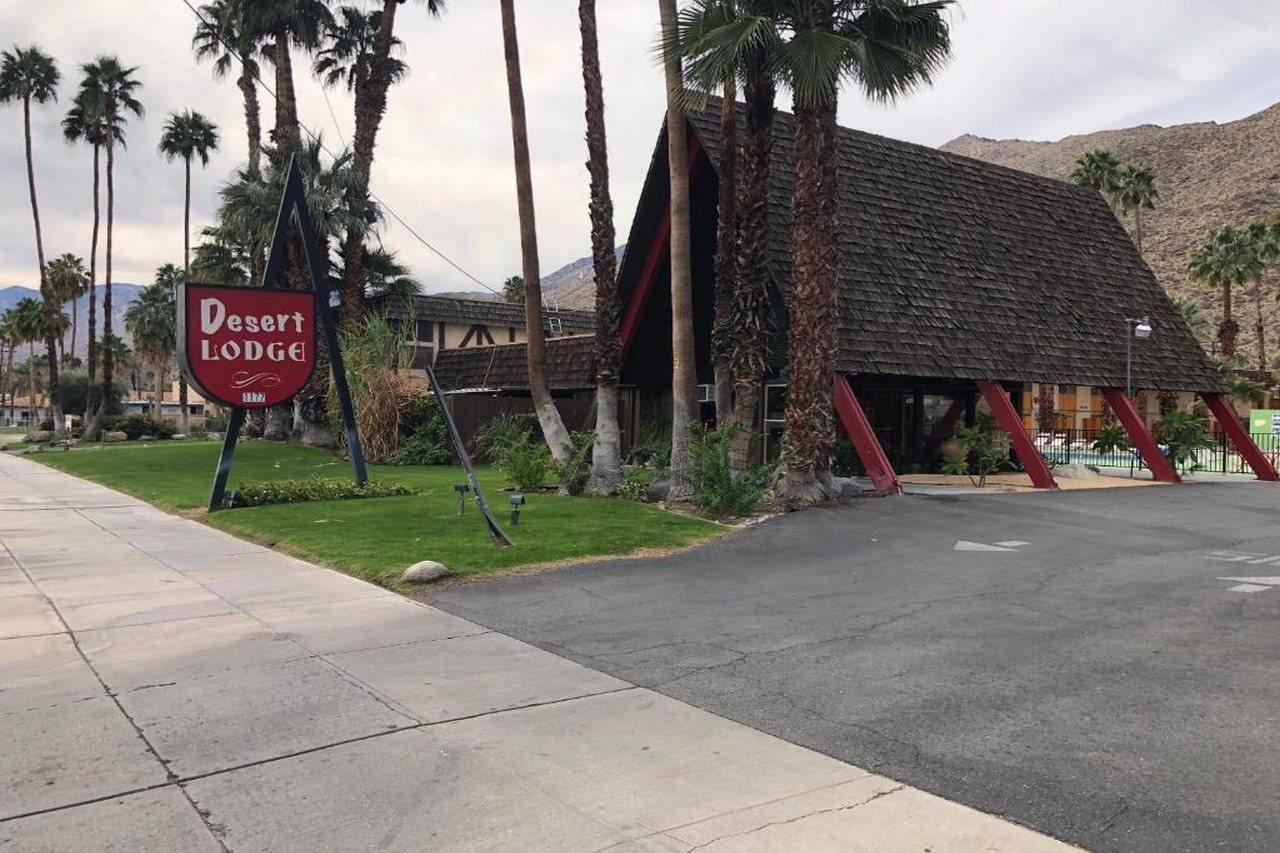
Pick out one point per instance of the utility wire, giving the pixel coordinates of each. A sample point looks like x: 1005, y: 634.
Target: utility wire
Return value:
x: 388, y: 209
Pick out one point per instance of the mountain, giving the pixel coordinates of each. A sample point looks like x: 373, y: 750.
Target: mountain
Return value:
x: 121, y: 294
x: 572, y: 286
x: 1208, y: 174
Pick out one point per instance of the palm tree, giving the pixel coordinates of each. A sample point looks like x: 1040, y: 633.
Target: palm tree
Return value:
x: 220, y: 261
x: 29, y: 75
x: 1258, y: 250
x: 1216, y: 264
x: 606, y: 453
x: 149, y: 319
x: 346, y: 59
x: 383, y: 275
x: 86, y: 122
x: 889, y: 48
x: 278, y: 25
x: 1135, y: 191
x: 513, y: 290
x: 222, y: 37
x: 28, y: 321
x: 169, y: 278
x: 247, y: 213
x: 1097, y: 168
x: 69, y: 280
x: 185, y: 136
x: 723, y: 40
x: 11, y: 337
x: 553, y: 430
x: 684, y: 366
x: 110, y: 89
x: 369, y: 85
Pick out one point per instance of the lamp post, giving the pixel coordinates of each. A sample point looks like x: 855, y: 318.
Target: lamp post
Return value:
x: 1140, y: 329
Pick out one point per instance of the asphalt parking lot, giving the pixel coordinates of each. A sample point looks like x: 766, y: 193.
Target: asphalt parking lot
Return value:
x: 1102, y: 666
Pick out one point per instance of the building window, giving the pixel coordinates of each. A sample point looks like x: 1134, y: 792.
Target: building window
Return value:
x: 422, y: 331
x: 511, y: 334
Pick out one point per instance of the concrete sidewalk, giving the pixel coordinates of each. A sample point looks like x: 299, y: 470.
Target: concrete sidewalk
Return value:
x: 164, y: 686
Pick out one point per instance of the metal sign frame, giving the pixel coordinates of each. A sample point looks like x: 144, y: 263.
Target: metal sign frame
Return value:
x: 293, y: 206
x: 460, y: 448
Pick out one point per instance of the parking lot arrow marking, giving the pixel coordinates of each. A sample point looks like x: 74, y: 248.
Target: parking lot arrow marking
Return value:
x: 965, y: 545
x: 1271, y: 581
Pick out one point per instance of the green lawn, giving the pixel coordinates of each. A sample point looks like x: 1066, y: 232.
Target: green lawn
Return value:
x: 375, y: 538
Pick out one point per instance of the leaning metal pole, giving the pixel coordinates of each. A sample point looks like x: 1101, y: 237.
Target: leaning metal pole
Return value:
x: 460, y: 447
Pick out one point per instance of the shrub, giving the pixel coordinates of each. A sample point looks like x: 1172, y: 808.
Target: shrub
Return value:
x: 503, y: 430
x: 635, y: 485
x: 424, y: 436
x: 982, y: 451
x: 215, y: 423
x: 1110, y: 438
x: 136, y: 426
x: 653, y: 442
x: 318, y: 489
x: 1183, y: 434
x: 74, y: 391
x: 372, y: 350
x: 525, y: 461
x: 575, y: 473
x: 711, y: 478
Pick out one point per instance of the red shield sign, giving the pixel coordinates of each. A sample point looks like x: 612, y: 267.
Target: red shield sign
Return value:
x: 248, y: 347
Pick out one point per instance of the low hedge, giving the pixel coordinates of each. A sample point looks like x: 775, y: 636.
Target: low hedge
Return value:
x: 319, y: 489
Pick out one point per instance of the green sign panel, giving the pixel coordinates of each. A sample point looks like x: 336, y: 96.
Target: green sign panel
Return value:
x: 1264, y: 421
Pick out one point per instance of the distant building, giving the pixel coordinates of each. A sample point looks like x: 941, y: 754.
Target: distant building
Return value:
x: 435, y: 324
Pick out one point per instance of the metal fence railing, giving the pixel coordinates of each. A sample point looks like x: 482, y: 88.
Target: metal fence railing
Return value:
x: 1080, y: 446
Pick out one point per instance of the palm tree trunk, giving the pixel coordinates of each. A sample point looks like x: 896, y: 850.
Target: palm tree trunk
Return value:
x: 31, y: 390
x: 726, y: 254
x: 50, y: 307
x: 252, y: 119
x: 186, y: 217
x: 684, y: 368
x: 606, y: 454
x: 108, y: 350
x: 553, y: 430
x: 809, y: 438
x: 159, y: 395
x: 286, y: 129
x: 750, y: 297
x: 1229, y: 328
x: 184, y: 417
x: 370, y: 104
x: 1260, y: 326
x: 91, y: 353
x: 75, y: 322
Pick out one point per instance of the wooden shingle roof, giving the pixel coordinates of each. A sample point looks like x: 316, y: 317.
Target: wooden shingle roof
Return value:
x: 570, y: 365
x: 490, y: 312
x: 957, y: 268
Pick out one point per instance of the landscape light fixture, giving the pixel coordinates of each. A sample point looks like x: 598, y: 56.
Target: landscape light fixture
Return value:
x: 1142, y: 330
x: 462, y: 489
x: 517, y: 501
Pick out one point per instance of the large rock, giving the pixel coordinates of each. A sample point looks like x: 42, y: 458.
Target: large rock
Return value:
x: 425, y: 572
x: 1076, y: 471
x: 38, y: 435
x: 115, y: 435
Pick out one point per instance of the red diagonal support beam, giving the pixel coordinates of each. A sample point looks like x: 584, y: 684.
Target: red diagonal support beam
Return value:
x: 1240, y: 440
x: 1161, y: 468
x: 1007, y: 417
x: 947, y: 425
x: 874, y: 459
x: 659, y: 248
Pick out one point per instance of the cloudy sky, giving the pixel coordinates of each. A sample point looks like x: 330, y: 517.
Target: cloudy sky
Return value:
x: 1034, y: 69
